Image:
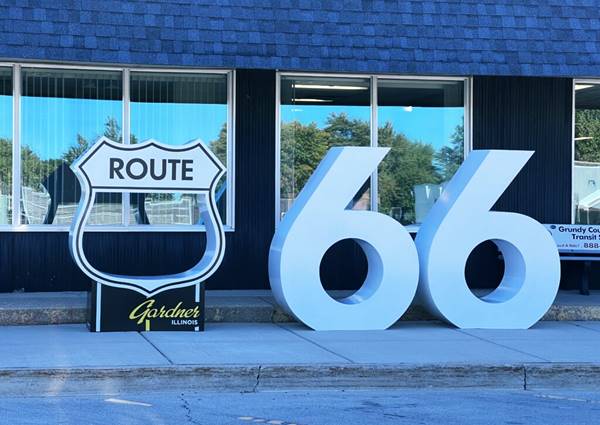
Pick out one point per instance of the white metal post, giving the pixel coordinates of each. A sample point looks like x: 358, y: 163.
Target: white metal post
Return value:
x: 125, y: 198
x: 16, y: 147
x: 277, y: 149
x: 230, y: 215
x: 374, y: 143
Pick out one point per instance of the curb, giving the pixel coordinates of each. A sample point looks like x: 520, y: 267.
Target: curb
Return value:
x: 239, y: 306
x: 249, y: 378
x: 253, y: 314
x: 563, y: 375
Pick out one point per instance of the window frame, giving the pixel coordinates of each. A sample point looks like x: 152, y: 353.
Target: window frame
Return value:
x: 574, y: 82
x: 16, y: 225
x: 467, y: 122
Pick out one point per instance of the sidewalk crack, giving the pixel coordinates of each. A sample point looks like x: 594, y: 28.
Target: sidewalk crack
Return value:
x: 269, y: 300
x: 156, y: 348
x: 188, y: 411
x: 579, y: 325
x: 255, y: 389
x: 502, y: 345
x: 316, y: 344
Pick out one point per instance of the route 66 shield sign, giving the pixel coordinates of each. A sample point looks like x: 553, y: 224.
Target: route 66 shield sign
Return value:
x: 150, y: 167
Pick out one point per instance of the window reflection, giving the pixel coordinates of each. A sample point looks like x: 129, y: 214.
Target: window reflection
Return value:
x: 62, y: 113
x: 175, y: 109
x: 5, y: 146
x: 586, y: 169
x: 317, y: 114
x: 423, y: 122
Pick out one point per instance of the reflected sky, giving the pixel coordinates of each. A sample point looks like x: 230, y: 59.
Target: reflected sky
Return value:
x: 6, y: 117
x: 434, y: 126
x: 50, y: 125
x: 177, y: 123
x: 180, y: 123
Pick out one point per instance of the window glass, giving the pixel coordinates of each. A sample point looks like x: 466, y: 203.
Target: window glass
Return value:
x: 175, y: 109
x: 317, y: 114
x: 586, y: 169
x: 423, y: 122
x: 5, y: 146
x: 62, y: 113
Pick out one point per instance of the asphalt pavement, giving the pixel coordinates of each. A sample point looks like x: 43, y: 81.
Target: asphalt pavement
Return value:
x: 447, y: 407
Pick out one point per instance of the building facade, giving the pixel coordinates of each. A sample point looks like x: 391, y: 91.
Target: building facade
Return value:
x: 269, y: 87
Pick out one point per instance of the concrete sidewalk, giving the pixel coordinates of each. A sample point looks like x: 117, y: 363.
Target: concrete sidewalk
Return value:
x: 59, y: 359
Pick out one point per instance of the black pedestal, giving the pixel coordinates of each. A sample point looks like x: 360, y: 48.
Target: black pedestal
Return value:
x: 117, y: 309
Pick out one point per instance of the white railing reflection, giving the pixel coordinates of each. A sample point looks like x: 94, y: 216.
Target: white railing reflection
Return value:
x: 36, y: 205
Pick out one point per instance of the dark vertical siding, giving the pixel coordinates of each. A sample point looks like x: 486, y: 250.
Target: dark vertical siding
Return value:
x: 531, y: 114
x: 255, y: 182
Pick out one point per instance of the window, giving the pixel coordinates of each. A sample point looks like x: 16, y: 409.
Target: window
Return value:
x: 316, y: 114
x: 62, y: 113
x: 6, y: 145
x: 175, y: 109
x: 421, y: 120
x: 423, y: 123
x: 586, y: 168
x: 59, y: 111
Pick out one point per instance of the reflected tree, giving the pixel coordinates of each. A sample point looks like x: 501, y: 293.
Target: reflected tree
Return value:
x: 449, y: 158
x: 409, y: 163
x: 343, y: 131
x: 112, y: 131
x: 75, y: 152
x: 587, y: 130
x: 302, y: 148
x: 34, y: 169
x: 219, y: 145
x: 5, y: 165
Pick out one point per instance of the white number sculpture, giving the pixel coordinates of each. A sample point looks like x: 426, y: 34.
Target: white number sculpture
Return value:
x: 459, y: 221
x: 317, y: 220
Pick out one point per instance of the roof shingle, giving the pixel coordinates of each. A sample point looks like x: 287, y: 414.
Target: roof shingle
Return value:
x: 469, y: 37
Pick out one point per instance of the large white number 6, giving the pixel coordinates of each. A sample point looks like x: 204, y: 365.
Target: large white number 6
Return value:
x: 318, y: 219
x: 459, y: 221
